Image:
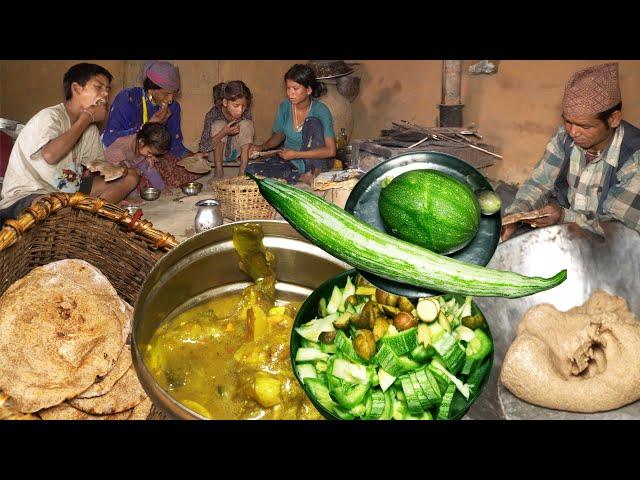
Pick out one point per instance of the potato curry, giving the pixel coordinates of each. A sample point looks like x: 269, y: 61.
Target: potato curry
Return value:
x: 229, y: 357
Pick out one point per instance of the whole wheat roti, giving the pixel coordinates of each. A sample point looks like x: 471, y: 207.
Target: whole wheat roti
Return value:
x: 142, y: 410
x: 128, y: 317
x: 125, y: 394
x: 104, y: 384
x: 61, y: 326
x: 64, y: 411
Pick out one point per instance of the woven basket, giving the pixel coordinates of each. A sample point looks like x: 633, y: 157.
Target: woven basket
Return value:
x: 241, y: 199
x: 63, y: 226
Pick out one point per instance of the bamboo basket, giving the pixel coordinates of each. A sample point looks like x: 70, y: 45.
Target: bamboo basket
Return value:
x: 241, y: 199
x: 64, y: 226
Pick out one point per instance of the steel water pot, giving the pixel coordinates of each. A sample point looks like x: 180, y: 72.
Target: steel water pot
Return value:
x: 208, y: 215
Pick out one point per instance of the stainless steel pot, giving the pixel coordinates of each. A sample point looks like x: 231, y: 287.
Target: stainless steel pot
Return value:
x: 611, y: 263
x: 206, y: 266
x: 208, y: 215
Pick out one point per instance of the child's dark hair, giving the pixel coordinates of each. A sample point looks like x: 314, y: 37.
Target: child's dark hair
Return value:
x: 231, y: 91
x: 305, y: 76
x: 81, y: 73
x: 156, y: 136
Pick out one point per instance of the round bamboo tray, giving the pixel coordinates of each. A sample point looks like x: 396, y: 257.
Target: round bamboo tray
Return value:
x: 61, y: 226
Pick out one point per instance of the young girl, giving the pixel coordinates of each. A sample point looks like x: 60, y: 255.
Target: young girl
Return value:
x: 139, y: 151
x: 306, y: 126
x: 228, y: 127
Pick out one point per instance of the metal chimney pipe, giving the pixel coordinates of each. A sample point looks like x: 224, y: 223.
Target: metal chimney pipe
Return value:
x: 451, y: 108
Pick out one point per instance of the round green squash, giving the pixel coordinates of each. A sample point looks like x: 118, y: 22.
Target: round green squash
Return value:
x: 430, y: 209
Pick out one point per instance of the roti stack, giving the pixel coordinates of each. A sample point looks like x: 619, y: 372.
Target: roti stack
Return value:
x: 64, y: 350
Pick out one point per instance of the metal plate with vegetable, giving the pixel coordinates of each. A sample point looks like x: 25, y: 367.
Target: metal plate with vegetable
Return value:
x: 360, y: 352
x: 363, y: 202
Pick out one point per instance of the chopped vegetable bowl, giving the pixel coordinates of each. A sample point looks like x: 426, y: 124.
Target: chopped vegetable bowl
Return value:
x: 362, y: 353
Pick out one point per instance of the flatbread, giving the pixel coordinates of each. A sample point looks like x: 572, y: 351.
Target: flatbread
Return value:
x: 108, y: 170
x: 195, y: 165
x: 61, y: 326
x: 64, y: 411
x: 105, y: 384
x: 128, y: 320
x: 125, y: 394
x: 142, y: 410
x: 517, y: 217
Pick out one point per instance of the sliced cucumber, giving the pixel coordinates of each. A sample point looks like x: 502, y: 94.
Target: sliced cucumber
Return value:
x: 312, y: 329
x: 444, y: 412
x: 306, y: 370
x: 385, y: 379
x: 350, y: 372
x: 335, y: 301
x: 402, y: 342
x: 310, y: 355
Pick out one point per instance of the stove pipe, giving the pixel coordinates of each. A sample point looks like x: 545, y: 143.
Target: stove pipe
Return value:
x: 451, y: 108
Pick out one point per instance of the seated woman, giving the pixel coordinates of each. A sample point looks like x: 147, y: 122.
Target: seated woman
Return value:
x: 140, y: 152
x: 306, y: 127
x: 228, y: 128
x: 154, y: 102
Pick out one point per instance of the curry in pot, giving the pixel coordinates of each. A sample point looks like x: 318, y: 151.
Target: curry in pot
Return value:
x: 229, y: 357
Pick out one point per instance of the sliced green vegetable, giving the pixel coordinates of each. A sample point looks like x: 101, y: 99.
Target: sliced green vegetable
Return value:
x: 335, y: 301
x: 312, y: 329
x: 479, y: 346
x: 444, y: 411
x: 310, y: 355
x: 306, y: 370
x: 402, y: 342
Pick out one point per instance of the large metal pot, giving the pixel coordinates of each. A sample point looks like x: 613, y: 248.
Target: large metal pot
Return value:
x: 206, y: 266
x: 611, y: 263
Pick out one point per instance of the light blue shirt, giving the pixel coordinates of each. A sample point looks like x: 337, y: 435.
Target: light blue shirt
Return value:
x: 293, y: 140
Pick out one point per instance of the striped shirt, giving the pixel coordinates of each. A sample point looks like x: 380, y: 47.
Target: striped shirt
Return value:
x: 585, y: 181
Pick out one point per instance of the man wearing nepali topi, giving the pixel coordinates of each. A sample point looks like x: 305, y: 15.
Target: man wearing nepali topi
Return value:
x: 590, y: 171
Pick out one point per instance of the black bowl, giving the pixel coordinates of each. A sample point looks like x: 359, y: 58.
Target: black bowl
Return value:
x: 363, y: 204
x: 309, y: 310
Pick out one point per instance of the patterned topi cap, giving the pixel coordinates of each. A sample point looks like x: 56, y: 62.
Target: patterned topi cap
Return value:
x: 592, y: 90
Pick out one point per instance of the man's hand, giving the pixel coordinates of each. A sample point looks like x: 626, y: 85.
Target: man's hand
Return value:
x: 555, y: 215
x: 98, y: 112
x: 162, y: 115
x: 555, y: 212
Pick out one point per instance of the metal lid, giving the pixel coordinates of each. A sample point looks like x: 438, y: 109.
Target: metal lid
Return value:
x: 329, y: 68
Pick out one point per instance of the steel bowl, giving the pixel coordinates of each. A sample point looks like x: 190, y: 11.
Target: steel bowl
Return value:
x: 191, y: 188
x: 610, y: 263
x: 206, y: 266
x: 150, y: 193
x: 132, y: 209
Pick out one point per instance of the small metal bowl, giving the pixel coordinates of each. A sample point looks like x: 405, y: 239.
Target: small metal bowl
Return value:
x: 132, y: 209
x: 150, y: 193
x: 191, y: 188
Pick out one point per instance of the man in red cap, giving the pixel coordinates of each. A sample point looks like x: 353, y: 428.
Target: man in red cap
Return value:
x: 590, y: 171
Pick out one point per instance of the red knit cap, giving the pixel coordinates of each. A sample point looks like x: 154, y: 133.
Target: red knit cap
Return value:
x: 592, y: 90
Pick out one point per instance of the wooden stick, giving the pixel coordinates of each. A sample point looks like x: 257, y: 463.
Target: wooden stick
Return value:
x: 421, y: 141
